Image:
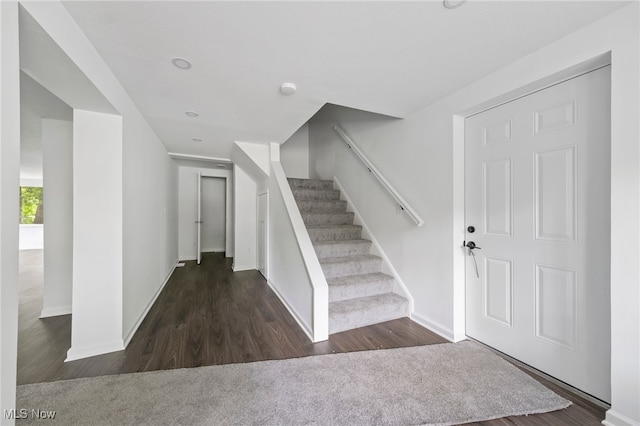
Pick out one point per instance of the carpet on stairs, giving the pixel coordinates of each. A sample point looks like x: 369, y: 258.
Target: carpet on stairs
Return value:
x: 360, y: 294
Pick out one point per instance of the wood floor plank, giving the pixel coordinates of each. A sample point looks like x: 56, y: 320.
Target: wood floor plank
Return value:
x: 209, y: 315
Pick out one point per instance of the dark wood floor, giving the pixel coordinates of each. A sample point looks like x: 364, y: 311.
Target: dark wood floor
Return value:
x: 209, y: 315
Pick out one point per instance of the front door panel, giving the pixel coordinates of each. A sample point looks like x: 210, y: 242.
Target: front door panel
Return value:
x: 537, y: 185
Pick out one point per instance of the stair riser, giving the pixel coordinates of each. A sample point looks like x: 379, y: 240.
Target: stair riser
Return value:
x: 338, y: 293
x: 325, y: 206
x: 343, y: 249
x: 356, y: 267
x: 310, y: 184
x: 328, y: 218
x: 314, y: 194
x: 374, y: 315
x: 333, y: 234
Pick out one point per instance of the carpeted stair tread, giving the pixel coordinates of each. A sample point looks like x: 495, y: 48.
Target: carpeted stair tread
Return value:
x: 316, y: 194
x: 310, y: 183
x: 322, y: 205
x: 359, y: 293
x: 353, y: 286
x: 334, y: 232
x: 363, y: 311
x: 351, y: 265
x: 327, y: 218
x: 341, y: 248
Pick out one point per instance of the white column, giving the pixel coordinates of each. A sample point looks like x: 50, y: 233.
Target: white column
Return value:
x: 9, y: 195
x: 96, y: 326
x: 57, y: 169
x: 245, y: 216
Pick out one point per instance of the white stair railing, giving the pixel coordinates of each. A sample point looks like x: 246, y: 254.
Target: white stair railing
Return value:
x: 404, y: 206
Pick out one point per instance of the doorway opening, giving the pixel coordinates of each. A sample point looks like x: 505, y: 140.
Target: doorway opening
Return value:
x: 212, y: 215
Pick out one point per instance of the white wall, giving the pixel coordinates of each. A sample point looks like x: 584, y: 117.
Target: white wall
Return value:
x: 422, y: 157
x: 187, y: 205
x: 96, y: 325
x: 9, y: 205
x: 213, y: 214
x: 57, y: 170
x: 245, y: 220
x: 31, y: 237
x: 150, y: 219
x: 295, y: 273
x: 287, y: 272
x: 149, y: 236
x: 294, y: 154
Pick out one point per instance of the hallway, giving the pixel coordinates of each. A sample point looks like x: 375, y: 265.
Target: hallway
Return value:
x: 208, y: 315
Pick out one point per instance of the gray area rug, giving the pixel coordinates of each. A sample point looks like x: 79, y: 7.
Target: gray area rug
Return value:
x: 437, y: 384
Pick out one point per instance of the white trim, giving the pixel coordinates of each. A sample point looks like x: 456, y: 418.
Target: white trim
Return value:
x: 179, y: 156
x: 241, y: 268
x: 228, y: 205
x: 86, y: 352
x: 434, y: 326
x: 458, y: 219
x: 387, y: 266
x: 55, y: 311
x: 266, y: 234
x: 613, y: 418
x: 133, y: 330
x: 577, y: 70
x: 292, y: 311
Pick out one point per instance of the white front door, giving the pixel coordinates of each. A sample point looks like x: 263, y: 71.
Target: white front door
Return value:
x: 537, y: 192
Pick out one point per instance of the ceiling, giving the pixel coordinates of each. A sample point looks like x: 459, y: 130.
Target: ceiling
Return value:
x: 391, y: 58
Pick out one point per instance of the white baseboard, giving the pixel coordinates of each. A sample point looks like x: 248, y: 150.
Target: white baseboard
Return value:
x: 55, y: 311
x: 75, y: 353
x: 240, y: 268
x: 437, y: 328
x: 133, y: 330
x: 292, y: 311
x: 387, y: 266
x: 616, y: 419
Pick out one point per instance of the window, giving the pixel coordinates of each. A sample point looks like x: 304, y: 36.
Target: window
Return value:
x: 31, y: 205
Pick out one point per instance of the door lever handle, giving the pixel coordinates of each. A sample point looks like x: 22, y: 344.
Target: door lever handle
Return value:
x: 471, y: 245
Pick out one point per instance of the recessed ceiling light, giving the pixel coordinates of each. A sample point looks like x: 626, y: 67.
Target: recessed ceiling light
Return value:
x: 196, y: 139
x: 221, y: 166
x: 452, y: 4
x: 288, y: 88
x: 181, y: 63
x: 192, y: 114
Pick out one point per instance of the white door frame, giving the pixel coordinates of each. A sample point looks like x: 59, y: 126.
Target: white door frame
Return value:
x: 199, y: 221
x: 458, y: 121
x: 228, y: 206
x: 265, y: 273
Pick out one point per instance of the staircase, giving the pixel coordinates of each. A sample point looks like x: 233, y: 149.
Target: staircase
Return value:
x: 359, y: 294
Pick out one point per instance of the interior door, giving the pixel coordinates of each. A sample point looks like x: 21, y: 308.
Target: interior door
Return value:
x: 199, y: 221
x: 263, y: 200
x: 537, y: 200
